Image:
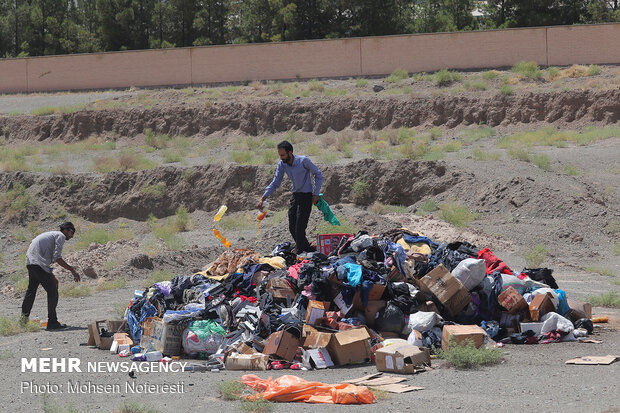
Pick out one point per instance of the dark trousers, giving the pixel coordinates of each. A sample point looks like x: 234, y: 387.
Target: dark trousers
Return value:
x: 298, y: 215
x: 36, y: 276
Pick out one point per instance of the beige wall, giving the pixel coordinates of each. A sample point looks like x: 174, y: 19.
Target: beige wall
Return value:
x: 326, y: 58
x: 110, y: 70
x: 584, y: 44
x: 430, y: 52
x: 561, y: 45
x: 13, y: 75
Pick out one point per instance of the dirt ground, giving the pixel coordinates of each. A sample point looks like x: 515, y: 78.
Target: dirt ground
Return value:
x: 571, y: 206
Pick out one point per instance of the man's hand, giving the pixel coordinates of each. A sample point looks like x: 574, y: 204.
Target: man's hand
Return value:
x: 315, y: 199
x: 55, y: 281
x: 76, y: 276
x: 259, y: 206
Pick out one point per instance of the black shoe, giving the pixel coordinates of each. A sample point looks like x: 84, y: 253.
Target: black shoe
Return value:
x: 55, y: 326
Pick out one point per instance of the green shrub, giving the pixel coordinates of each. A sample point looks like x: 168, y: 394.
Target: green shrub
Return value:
x: 183, y: 222
x: 569, y: 169
x: 594, y: 70
x: 361, y: 190
x: 427, y: 207
x: 397, y: 75
x: 478, y: 86
x: 328, y: 158
x: 172, y: 155
x: 609, y: 299
x: 137, y: 407
x: 506, y: 90
x: 527, y: 70
x: 519, y: 153
x: 269, y: 157
x: 481, y: 155
x: 446, y: 78
x: 467, y: 356
x: 156, y: 141
x: 456, y: 214
x: 490, y: 74
x: 316, y: 86
x: 247, y: 186
x: 106, y: 285
x: 361, y: 82
x: 157, y: 190
x: 15, y: 201
x: 231, y: 389
x: 542, y: 161
x: 256, y: 406
x: 100, y: 236
x: 478, y: 133
x: 553, y: 72
x: 535, y: 256
x: 335, y: 92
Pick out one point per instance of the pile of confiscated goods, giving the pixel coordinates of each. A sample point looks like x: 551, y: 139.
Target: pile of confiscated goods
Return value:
x: 390, y: 299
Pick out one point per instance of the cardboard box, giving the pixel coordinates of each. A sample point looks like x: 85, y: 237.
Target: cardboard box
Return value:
x: 326, y: 243
x: 160, y: 336
x: 317, y: 339
x: 280, y: 289
x: 375, y: 294
x: 316, y: 310
x: 123, y: 338
x: 460, y: 334
x: 100, y: 335
x: 402, y: 358
x: 255, y: 361
x: 371, y: 312
x: 578, y: 310
x: 350, y: 346
x: 512, y: 301
x: 446, y: 289
x: 541, y: 305
x: 282, y: 345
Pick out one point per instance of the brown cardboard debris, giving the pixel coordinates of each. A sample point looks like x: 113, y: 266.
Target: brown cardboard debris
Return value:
x: 397, y: 388
x: 541, y: 305
x: 282, y: 345
x: 593, y: 360
x: 402, y: 358
x: 512, y: 301
x: 350, y: 346
x: 460, y: 334
x: 161, y: 336
x: 316, y: 310
x: 256, y: 361
x: 446, y: 288
x: 317, y: 340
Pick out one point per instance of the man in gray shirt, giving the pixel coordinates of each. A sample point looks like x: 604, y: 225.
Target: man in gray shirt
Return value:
x: 43, y: 250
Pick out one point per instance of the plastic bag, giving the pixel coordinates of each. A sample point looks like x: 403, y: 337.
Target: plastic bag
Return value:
x: 586, y: 324
x: 554, y: 321
x: 392, y: 319
x: 470, y: 272
x: 422, y: 321
x: 290, y: 388
x: 203, y: 336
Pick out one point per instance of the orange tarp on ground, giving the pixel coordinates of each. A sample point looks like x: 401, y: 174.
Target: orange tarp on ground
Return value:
x: 295, y: 389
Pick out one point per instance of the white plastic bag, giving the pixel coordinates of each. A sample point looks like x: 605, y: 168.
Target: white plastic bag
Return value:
x: 470, y: 272
x: 422, y: 321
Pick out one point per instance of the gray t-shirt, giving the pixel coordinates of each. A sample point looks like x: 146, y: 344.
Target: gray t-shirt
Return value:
x: 45, y: 249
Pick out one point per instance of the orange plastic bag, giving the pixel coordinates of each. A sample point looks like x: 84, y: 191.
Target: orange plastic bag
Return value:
x: 295, y: 389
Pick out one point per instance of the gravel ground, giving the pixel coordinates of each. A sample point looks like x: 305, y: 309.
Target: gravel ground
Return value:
x: 27, y: 103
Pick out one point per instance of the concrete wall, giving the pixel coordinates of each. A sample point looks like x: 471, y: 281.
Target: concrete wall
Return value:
x: 560, y: 45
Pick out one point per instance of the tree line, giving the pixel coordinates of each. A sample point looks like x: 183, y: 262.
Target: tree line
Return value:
x: 48, y: 27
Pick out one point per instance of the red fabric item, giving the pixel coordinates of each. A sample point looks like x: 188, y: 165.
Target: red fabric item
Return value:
x: 493, y: 263
x: 293, y: 270
x: 250, y: 299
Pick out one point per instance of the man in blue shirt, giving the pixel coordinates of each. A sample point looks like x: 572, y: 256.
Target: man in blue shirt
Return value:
x: 298, y: 169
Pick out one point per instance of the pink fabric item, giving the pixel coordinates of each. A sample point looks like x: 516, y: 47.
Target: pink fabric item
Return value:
x: 493, y: 263
x: 293, y: 270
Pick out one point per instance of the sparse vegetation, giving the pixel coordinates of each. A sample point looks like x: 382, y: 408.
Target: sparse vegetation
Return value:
x: 106, y: 285
x: 243, y: 157
x: 535, y: 256
x: 609, y: 299
x: 74, y: 290
x: 600, y: 270
x: 57, y: 110
x: 427, y: 207
x: 490, y: 74
x: 506, y: 90
x: 397, y: 75
x: 467, y: 356
x: 100, y: 236
x: 456, y: 214
x: 183, y: 221
x: 594, y: 70
x: 519, y: 153
x: 542, y: 161
x: 361, y: 82
x: 316, y: 86
x: 11, y: 325
x: 157, y: 190
x: 550, y: 136
x: 15, y: 201
x: 345, y: 227
x: 166, y: 232
x: 478, y: 133
x: 137, y: 407
x: 569, y: 169
x: 482, y: 155
x: 159, y: 276
x: 256, y: 406
x: 231, y: 389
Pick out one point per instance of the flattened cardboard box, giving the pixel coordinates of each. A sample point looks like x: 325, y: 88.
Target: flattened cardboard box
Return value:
x: 402, y: 358
x: 446, y: 288
x: 350, y: 346
x: 160, y: 336
x: 460, y: 334
x: 282, y: 345
x: 255, y: 361
x: 512, y: 301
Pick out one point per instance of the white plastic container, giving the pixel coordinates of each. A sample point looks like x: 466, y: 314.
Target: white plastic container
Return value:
x: 153, y: 356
